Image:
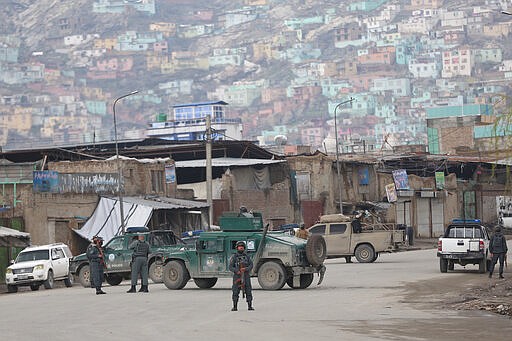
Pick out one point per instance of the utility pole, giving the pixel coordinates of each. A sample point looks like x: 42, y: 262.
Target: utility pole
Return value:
x: 209, y: 191
x: 118, y: 161
x: 337, y: 153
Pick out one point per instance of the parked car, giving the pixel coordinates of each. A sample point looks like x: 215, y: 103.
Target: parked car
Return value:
x: 118, y: 255
x: 465, y: 241
x: 37, y: 265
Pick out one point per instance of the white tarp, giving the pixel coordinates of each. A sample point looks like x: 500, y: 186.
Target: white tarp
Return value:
x: 106, y: 219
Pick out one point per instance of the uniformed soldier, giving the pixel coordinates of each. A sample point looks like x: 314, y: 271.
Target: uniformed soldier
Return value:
x: 96, y: 263
x: 139, y: 264
x: 241, y: 265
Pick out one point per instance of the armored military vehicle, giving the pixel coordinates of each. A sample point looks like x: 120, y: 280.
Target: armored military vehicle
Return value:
x: 279, y: 258
x: 118, y: 256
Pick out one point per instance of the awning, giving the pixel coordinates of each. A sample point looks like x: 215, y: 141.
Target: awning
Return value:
x: 226, y: 162
x: 106, y: 219
x: 13, y: 238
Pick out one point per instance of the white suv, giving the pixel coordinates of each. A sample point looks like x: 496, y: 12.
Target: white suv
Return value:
x: 38, y: 265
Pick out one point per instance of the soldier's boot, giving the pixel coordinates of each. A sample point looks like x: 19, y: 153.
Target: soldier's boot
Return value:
x: 249, y: 306
x: 501, y: 276
x: 100, y: 292
x: 132, y: 289
x: 235, y: 305
x: 144, y: 288
x: 490, y: 274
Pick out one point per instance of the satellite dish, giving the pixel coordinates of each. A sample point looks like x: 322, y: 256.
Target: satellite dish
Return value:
x: 280, y: 140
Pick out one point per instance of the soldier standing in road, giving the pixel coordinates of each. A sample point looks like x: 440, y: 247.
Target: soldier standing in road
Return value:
x: 96, y: 264
x: 241, y: 265
x: 139, y: 264
x: 498, y: 249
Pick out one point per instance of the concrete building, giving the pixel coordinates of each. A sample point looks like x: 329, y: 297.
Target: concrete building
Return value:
x: 189, y: 123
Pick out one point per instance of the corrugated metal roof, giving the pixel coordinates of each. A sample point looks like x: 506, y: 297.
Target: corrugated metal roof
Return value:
x: 225, y: 162
x: 165, y: 203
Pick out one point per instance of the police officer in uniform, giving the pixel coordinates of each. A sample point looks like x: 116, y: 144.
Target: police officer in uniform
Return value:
x: 96, y: 264
x: 241, y: 265
x: 139, y: 264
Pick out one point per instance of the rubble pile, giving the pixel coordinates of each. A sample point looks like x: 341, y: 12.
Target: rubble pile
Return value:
x: 495, y: 297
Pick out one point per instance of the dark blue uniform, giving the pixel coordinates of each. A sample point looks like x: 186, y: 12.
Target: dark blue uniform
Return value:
x: 236, y: 262
x: 96, y: 265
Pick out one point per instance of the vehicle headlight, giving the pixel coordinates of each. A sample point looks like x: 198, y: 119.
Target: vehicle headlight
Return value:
x: 39, y: 267
x: 8, y: 271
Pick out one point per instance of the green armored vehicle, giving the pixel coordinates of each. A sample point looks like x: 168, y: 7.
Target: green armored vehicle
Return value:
x: 279, y: 258
x: 118, y: 256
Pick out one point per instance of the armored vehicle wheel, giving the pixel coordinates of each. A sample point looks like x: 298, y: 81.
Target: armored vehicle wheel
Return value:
x: 175, y: 275
x: 114, y: 279
x: 364, y: 253
x: 305, y: 281
x: 84, y: 276
x: 205, y: 283
x: 48, y: 284
x: 316, y: 250
x: 155, y: 272
x: 443, y: 265
x: 12, y: 288
x: 34, y: 287
x: 271, y: 276
x: 375, y: 257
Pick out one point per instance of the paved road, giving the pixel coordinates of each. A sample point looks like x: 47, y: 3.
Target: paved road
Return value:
x: 355, y: 302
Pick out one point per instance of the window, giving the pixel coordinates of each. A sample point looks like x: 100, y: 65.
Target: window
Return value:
x: 116, y: 244
x: 338, y: 228
x: 320, y: 229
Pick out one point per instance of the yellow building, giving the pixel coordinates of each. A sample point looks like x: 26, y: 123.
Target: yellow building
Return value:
x: 168, y: 29
x: 108, y: 43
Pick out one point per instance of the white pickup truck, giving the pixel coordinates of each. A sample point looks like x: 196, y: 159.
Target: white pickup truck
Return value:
x: 464, y: 242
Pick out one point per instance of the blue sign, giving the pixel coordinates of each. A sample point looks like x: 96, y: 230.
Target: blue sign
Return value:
x: 364, y: 176
x: 400, y: 179
x: 46, y: 181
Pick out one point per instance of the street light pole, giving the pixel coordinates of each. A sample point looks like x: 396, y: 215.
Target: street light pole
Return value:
x: 337, y: 153
x: 118, y: 160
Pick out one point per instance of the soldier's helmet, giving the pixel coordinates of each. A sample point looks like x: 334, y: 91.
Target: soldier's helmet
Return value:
x: 243, y: 209
x: 240, y: 243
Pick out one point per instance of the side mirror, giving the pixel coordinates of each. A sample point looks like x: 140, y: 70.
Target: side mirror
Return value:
x: 11, y: 262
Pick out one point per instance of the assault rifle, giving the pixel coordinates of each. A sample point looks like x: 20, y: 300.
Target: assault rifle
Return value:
x: 241, y: 280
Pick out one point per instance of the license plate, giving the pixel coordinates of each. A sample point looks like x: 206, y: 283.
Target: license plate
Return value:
x: 22, y: 276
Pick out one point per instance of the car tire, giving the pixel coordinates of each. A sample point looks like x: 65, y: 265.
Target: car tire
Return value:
x: 68, y: 282
x: 175, y: 275
x: 482, y: 268
x: 443, y: 265
x: 305, y: 281
x: 316, y: 250
x: 365, y: 253
x: 84, y: 276
x: 155, y: 272
x: 12, y: 288
x: 271, y: 276
x: 205, y: 283
x: 34, y: 287
x: 48, y: 284
x: 113, y: 279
